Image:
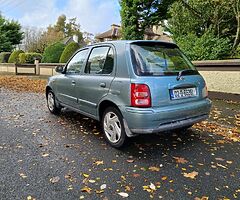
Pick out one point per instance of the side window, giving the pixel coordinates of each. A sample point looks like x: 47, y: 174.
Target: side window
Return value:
x: 76, y: 64
x: 101, y: 61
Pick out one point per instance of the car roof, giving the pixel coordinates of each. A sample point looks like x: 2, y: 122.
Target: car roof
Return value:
x: 122, y: 42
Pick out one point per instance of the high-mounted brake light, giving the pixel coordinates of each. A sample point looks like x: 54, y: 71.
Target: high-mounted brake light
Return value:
x: 140, y: 95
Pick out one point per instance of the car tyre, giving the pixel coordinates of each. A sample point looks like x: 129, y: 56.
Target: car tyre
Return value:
x: 52, y: 103
x: 113, y: 127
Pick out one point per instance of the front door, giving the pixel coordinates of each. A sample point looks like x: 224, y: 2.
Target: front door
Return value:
x: 66, y: 84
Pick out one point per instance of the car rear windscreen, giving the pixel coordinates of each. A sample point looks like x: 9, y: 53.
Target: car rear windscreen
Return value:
x: 156, y: 59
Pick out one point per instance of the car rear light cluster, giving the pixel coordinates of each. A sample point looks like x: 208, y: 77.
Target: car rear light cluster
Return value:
x: 140, y: 95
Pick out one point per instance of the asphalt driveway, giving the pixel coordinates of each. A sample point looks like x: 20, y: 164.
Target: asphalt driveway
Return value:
x: 43, y: 156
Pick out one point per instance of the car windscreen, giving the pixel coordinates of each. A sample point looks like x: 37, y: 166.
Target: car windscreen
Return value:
x: 156, y: 59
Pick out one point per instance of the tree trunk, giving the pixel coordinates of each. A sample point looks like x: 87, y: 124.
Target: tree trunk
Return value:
x: 237, y: 37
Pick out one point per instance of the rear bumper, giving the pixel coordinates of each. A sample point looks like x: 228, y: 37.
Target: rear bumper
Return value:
x: 144, y: 121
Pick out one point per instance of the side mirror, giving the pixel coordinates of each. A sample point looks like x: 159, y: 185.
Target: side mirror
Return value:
x: 59, y: 69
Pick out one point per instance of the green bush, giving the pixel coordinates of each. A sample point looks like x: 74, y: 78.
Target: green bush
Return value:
x: 4, y: 56
x: 69, y: 51
x: 52, y: 53
x: 29, y: 57
x: 14, y: 57
x: 206, y: 47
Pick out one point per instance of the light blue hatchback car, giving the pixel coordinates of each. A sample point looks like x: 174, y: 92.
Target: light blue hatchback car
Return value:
x: 132, y: 87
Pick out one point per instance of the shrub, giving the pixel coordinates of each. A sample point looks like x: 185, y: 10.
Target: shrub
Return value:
x: 53, y: 52
x: 69, y: 51
x: 29, y: 57
x: 14, y: 57
x: 4, y: 56
x: 206, y: 47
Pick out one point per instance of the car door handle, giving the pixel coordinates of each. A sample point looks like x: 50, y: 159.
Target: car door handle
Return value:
x: 103, y: 85
x: 73, y: 83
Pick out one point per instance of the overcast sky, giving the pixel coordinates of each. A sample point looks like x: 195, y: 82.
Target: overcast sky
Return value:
x: 94, y: 16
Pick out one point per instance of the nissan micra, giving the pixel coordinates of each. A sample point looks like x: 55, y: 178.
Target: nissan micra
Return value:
x: 131, y: 87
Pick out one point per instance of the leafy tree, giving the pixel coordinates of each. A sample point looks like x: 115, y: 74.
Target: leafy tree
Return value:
x: 14, y: 57
x: 206, y: 47
x: 10, y: 34
x: 67, y: 27
x: 199, y: 17
x: 137, y: 15
x: 29, y: 57
x: 68, y: 52
x: 36, y: 40
x: 53, y: 52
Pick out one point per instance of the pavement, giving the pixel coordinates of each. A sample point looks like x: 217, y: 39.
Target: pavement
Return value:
x: 43, y: 156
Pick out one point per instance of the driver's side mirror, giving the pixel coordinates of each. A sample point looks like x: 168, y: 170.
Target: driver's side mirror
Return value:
x: 59, y: 69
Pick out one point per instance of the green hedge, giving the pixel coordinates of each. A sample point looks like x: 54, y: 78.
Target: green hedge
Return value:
x: 4, y: 56
x: 29, y: 57
x: 69, y: 50
x: 14, y: 57
x: 53, y: 52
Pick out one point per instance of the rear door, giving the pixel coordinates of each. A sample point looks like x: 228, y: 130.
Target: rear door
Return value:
x: 66, y: 84
x: 96, y: 79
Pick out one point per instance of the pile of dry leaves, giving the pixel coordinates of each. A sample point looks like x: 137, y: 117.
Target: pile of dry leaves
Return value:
x: 229, y: 133
x: 20, y: 83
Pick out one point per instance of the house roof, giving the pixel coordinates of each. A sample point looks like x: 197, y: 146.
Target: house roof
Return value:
x: 113, y: 32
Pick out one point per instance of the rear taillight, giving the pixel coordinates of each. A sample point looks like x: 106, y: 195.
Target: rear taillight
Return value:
x: 140, y: 95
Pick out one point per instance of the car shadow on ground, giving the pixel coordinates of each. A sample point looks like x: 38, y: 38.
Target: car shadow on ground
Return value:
x: 153, y: 145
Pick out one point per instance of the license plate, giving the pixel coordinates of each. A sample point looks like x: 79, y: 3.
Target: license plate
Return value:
x: 183, y: 93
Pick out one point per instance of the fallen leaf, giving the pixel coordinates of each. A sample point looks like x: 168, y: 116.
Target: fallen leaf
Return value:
x: 45, y: 154
x: 154, y: 169
x: 123, y: 194
x: 86, y: 189
x: 127, y: 188
x: 30, y: 198
x: 103, y: 186
x: 152, y: 186
x: 92, y: 181
x: 54, y: 179
x: 180, y: 160
x: 219, y: 165
x: 99, y: 162
x: 164, y: 178
x: 136, y: 175
x: 86, y: 175
x: 22, y: 175
x: 99, y: 191
x: 191, y: 175
x: 202, y: 198
x: 219, y: 159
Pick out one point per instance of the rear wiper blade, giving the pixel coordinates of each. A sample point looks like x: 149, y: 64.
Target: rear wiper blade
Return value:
x: 182, y: 72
